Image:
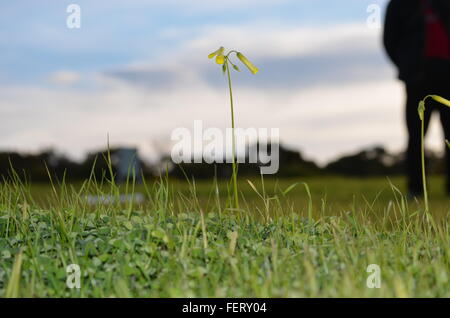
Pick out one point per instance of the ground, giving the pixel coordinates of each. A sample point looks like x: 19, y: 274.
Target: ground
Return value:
x: 184, y: 241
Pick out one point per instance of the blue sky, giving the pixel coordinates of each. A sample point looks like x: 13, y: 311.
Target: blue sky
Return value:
x: 36, y: 41
x: 137, y: 69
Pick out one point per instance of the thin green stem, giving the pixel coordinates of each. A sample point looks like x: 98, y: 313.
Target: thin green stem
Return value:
x: 424, y: 178
x: 235, y: 189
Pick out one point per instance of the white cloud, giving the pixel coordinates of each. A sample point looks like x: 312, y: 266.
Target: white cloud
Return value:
x: 64, y: 77
x: 147, y: 100
x: 281, y: 41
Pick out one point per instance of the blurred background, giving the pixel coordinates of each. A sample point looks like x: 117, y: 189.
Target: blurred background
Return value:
x: 136, y: 70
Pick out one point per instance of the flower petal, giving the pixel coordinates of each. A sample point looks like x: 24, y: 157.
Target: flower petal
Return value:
x: 220, y: 59
x: 219, y: 51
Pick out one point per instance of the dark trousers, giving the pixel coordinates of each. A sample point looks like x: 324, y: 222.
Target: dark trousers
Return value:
x: 416, y: 92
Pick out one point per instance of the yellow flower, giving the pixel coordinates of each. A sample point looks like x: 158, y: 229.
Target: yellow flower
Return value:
x: 218, y: 52
x: 247, y: 63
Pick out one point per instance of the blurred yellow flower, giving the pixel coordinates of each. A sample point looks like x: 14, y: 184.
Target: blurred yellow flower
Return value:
x: 445, y: 102
x: 441, y: 100
x: 421, y: 109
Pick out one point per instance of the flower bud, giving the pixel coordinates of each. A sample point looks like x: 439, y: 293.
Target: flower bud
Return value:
x: 247, y: 63
x: 441, y: 100
x: 421, y: 109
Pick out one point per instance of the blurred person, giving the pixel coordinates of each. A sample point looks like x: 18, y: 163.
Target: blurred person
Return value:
x: 417, y: 40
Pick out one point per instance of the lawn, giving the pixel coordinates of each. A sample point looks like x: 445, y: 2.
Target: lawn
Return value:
x: 287, y: 239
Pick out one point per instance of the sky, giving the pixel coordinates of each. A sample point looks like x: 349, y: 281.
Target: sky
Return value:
x: 136, y: 70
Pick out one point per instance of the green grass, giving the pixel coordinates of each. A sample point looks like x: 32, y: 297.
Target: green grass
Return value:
x: 183, y: 241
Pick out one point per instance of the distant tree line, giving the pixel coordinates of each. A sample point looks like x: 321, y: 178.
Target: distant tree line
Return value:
x: 373, y: 161
x: 50, y: 164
